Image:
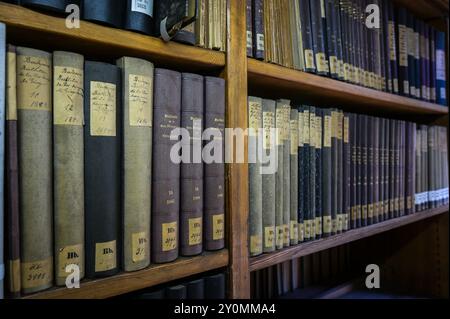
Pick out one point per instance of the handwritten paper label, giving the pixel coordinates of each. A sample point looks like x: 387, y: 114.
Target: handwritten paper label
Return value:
x: 403, y: 45
x: 70, y: 255
x: 319, y: 225
x: 142, y: 6
x: 327, y: 224
x: 103, y: 109
x: 286, y: 235
x: 14, y: 275
x: 254, y: 117
x: 255, y: 244
x: 294, y: 230
x: 260, y: 42
x: 169, y: 236
x: 294, y: 137
x: 322, y: 62
x: 306, y: 139
x: 195, y: 231
x: 280, y: 125
x: 346, y: 129
x: 268, y: 124
x: 68, y: 95
x: 34, y: 83
x: 392, y: 44
x: 105, y: 256
x: 327, y: 127
x: 218, y: 227
x: 37, y: 274
x: 309, y: 59
x: 140, y: 95
x: 301, y: 232
x: 11, y: 92
x: 318, y: 132
x: 139, y: 246
x: 280, y: 239
x: 269, y: 237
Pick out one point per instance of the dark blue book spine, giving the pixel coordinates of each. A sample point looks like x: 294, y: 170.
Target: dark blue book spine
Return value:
x: 301, y: 174
x: 441, y: 78
x: 318, y: 36
x: 411, y: 58
x: 402, y: 30
x: 307, y: 37
x: 2, y: 145
x: 392, y: 34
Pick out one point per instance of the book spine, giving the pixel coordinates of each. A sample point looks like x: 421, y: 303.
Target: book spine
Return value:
x: 417, y: 63
x: 139, y: 16
x: 346, y: 173
x: 103, y: 129
x: 255, y: 177
x: 3, y: 84
x: 431, y: 166
x: 427, y: 63
x: 307, y: 36
x: 12, y: 226
x: 353, y: 171
x: 441, y: 78
x: 311, y: 198
x: 196, y: 289
x: 214, y: 173
x: 340, y: 168
x: 215, y: 286
x: 331, y: 43
x: 318, y: 37
x: 326, y: 173
x: 354, y: 14
x: 402, y: 30
x: 268, y: 180
x: 432, y: 50
x: 68, y: 167
x: 351, y: 44
x: 279, y: 191
x: 370, y: 169
x: 334, y: 172
x: 286, y: 171
x: 376, y: 168
x: 306, y: 174
x: 301, y: 173
x: 418, y: 168
x: 191, y: 172
x: 56, y: 6
x: 397, y: 167
x: 387, y: 177
x: 319, y: 172
x: 425, y: 181
x: 107, y: 12
x: 337, y: 29
x: 392, y: 34
x: 293, y: 226
x: 364, y: 133
x: 359, y: 179
x: 381, y: 175
x: 403, y: 168
x: 259, y: 27
x: 249, y: 30
x: 345, y: 39
x: 386, y: 44
x: 411, y: 55
x: 34, y: 110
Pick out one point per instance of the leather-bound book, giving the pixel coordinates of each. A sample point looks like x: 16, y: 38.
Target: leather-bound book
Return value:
x: 302, y: 172
x: 334, y: 172
x: 213, y: 174
x: 402, y: 30
x: 428, y: 61
x: 403, y: 145
x: 307, y: 36
x: 139, y: 16
x: 364, y: 134
x: 432, y: 48
x: 68, y: 166
x: 3, y: 80
x: 255, y: 222
x: 286, y: 171
x: 293, y: 226
x: 215, y: 287
x: 386, y: 131
x: 318, y: 176
x: 49, y: 5
x: 392, y: 35
x: 12, y: 225
x: 375, y: 169
x: 165, y: 171
x: 337, y: 30
x: 381, y: 176
x: 418, y: 173
x: 102, y: 168
x: 137, y: 105
x: 370, y: 170
x: 346, y: 161
x: 108, y: 12
x: 34, y: 111
x: 178, y: 292
x: 345, y: 39
x: 353, y: 21
x: 424, y: 169
x: 268, y: 179
x: 353, y: 171
x: 340, y: 170
x: 331, y: 31
x: 319, y: 37
x: 311, y: 192
x: 392, y: 134
x: 279, y: 176
x: 249, y: 28
x: 191, y: 181
x: 431, y: 167
x: 196, y: 289
x: 441, y: 75
x: 417, y: 63
x: 359, y: 195
x: 258, y: 29
x: 385, y: 38
x: 411, y: 51
x: 410, y: 165
x: 326, y: 173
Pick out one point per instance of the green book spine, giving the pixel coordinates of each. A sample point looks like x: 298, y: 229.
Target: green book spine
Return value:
x: 268, y: 179
x: 34, y: 108
x: 279, y: 191
x: 293, y: 226
x: 68, y: 157
x: 255, y: 177
x: 326, y: 173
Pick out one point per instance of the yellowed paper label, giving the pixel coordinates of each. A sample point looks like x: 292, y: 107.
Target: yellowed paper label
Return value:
x: 11, y: 91
x: 254, y: 117
x: 403, y: 45
x: 300, y: 129
x: 309, y: 59
x: 268, y: 124
x: 370, y: 212
x: 306, y: 127
x: 392, y: 44
x: 13, y: 272
x: 301, y: 232
x: 307, y: 224
x: 409, y: 202
x: 37, y: 274
x: 294, y: 229
x: 327, y: 225
x: 313, y: 228
x: 346, y: 71
x: 195, y: 231
x: 140, y: 95
x: 105, y: 256
x: 334, y: 124
x: 70, y: 255
x: 327, y: 131
x: 341, y: 69
x: 339, y: 221
x: 364, y: 211
x: 269, y: 237
x: 139, y: 246
x: 318, y: 132
x: 34, y: 83
x: 255, y: 244
x: 318, y: 225
x: 286, y: 234
x: 339, y: 125
x: 280, y: 239
x: 354, y: 213
x: 218, y: 227
x: 103, y: 109
x: 334, y: 65
x: 68, y: 96
x: 294, y: 137
x: 169, y: 236
x: 312, y: 129
x: 322, y: 63
x: 346, y: 129
x: 280, y: 125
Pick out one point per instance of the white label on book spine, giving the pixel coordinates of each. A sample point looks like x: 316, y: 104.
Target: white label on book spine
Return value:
x: 249, y: 39
x: 142, y: 6
x: 440, y: 65
x: 260, y: 42
x: 442, y: 93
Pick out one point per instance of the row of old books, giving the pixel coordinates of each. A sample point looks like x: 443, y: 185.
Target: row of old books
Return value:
x: 206, y: 287
x: 150, y: 17
x: 336, y: 171
x: 93, y: 170
x: 349, y: 41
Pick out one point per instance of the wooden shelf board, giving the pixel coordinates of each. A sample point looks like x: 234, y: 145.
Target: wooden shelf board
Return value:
x: 276, y: 81
x: 133, y: 281
x: 31, y: 28
x: 267, y: 260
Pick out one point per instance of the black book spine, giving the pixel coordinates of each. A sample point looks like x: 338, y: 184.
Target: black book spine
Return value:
x: 381, y: 176
x: 393, y: 46
x: 376, y: 169
x: 427, y: 63
x: 364, y: 134
x: 432, y: 43
x: 337, y: 29
x: 108, y: 12
x: 307, y: 36
x: 345, y: 39
x: 402, y: 30
x: 340, y: 170
x: 258, y: 29
x: 397, y: 168
x: 58, y: 6
x: 301, y: 173
x: 354, y: 14
x: 318, y: 36
x: 353, y: 172
x: 312, y: 169
x: 370, y: 170
x: 318, y: 185
x: 249, y: 24
x: 392, y: 134
x: 331, y: 40
x: 411, y: 58
x: 326, y: 173
x: 417, y: 65
x: 346, y: 173
x: 386, y: 154
x: 102, y: 157
x: 334, y: 172
x: 215, y: 287
x: 385, y: 38
x: 139, y: 16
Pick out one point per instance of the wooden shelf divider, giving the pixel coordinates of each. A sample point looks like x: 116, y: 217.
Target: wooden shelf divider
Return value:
x: 290, y: 83
x: 28, y: 27
x: 132, y: 281
x: 267, y: 260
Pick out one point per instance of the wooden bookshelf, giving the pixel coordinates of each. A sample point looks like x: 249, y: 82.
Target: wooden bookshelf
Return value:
x: 39, y: 30
x: 128, y: 282
x: 275, y: 80
x: 315, y: 246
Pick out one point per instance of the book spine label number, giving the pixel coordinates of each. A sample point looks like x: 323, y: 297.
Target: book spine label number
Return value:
x: 218, y: 227
x: 169, y: 236
x: 37, y: 273
x: 142, y: 6
x: 140, y: 246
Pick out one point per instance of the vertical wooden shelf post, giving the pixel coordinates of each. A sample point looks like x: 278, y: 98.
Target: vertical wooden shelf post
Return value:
x: 237, y: 174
